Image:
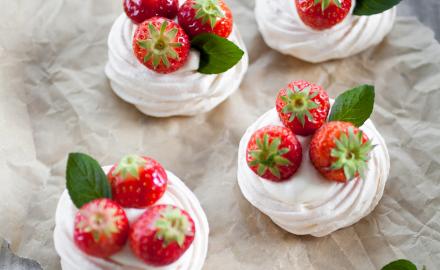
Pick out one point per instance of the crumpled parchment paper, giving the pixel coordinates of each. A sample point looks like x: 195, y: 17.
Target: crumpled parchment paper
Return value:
x: 55, y: 99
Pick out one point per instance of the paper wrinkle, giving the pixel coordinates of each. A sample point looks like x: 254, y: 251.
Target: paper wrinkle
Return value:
x: 55, y: 99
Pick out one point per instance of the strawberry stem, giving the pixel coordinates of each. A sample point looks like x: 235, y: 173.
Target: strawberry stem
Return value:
x: 172, y: 226
x: 351, y: 154
x: 268, y: 156
x: 209, y: 11
x: 129, y: 165
x: 299, y: 103
x: 160, y: 45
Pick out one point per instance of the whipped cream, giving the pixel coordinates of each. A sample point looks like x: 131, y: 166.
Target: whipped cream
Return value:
x: 183, y: 92
x: 307, y: 203
x: 176, y: 194
x: 283, y: 30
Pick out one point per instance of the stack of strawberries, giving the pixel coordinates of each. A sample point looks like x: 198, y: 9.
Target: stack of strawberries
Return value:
x: 160, y: 236
x: 160, y: 42
x: 339, y: 150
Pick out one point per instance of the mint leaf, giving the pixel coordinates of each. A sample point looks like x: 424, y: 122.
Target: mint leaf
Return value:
x: 371, y: 7
x: 400, y: 265
x: 86, y: 180
x: 355, y: 105
x: 217, y: 54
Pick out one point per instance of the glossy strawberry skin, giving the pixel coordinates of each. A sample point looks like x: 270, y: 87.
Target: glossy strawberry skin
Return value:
x: 313, y: 16
x: 321, y: 145
x: 105, y: 246
x: 142, y: 33
x: 141, y: 10
x: 143, y: 192
x: 193, y: 26
x: 148, y: 247
x: 288, y: 140
x: 319, y: 114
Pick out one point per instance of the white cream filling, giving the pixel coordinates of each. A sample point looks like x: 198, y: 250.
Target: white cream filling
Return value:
x: 177, y: 194
x: 284, y: 31
x: 307, y: 203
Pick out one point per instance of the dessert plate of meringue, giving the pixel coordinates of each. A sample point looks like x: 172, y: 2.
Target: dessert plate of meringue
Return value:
x: 132, y: 215
x: 312, y: 164
x: 171, y: 58
x: 321, y: 30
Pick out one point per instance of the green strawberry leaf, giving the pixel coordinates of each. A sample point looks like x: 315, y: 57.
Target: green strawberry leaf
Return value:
x: 400, y: 265
x: 355, y: 105
x: 371, y: 7
x: 86, y: 181
x: 217, y: 54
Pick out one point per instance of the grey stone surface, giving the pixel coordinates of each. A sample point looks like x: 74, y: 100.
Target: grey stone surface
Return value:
x: 427, y: 11
x: 8, y: 261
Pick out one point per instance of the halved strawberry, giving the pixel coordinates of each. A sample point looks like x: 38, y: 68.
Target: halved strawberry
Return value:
x: 161, y: 45
x: 205, y: 16
x: 322, y: 14
x: 340, y: 151
x: 141, y: 10
x: 162, y: 234
x: 101, y: 228
x: 303, y: 107
x: 274, y: 153
x: 137, y: 182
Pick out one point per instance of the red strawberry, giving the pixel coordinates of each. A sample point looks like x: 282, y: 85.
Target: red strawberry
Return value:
x: 322, y: 14
x: 162, y: 234
x: 340, y: 151
x: 205, y: 16
x: 303, y: 107
x: 274, y: 153
x: 137, y: 182
x: 141, y: 10
x: 161, y: 45
x: 101, y: 228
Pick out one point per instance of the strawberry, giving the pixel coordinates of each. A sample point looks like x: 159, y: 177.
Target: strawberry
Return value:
x: 161, y: 45
x: 322, y: 14
x: 162, y: 234
x: 303, y: 107
x: 137, y: 182
x: 141, y: 10
x: 274, y: 153
x: 101, y: 228
x: 340, y: 151
x: 205, y: 16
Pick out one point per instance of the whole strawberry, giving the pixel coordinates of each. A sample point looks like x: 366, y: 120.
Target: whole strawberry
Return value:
x: 161, y: 45
x: 340, y: 151
x: 205, y: 16
x: 322, y: 14
x: 141, y: 10
x: 137, y: 182
x: 303, y: 107
x: 274, y: 153
x: 162, y: 234
x: 101, y: 228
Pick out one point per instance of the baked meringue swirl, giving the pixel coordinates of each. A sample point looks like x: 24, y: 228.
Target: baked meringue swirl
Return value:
x: 308, y: 203
x: 177, y: 194
x: 284, y: 31
x: 183, y: 92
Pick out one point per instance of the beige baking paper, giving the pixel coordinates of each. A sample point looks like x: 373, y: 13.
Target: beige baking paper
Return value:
x: 55, y: 99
